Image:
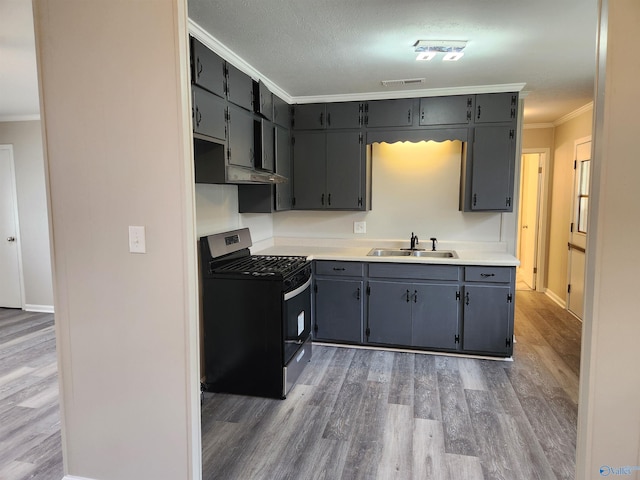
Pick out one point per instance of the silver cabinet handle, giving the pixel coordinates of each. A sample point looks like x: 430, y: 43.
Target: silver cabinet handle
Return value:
x: 11, y: 239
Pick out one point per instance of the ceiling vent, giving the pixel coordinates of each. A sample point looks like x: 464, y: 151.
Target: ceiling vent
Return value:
x: 405, y: 81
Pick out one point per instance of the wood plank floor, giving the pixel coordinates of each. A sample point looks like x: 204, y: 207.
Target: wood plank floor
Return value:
x: 355, y: 414
x: 364, y: 414
x: 30, y: 446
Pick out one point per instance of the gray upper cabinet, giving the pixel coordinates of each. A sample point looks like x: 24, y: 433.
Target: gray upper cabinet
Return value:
x: 240, y: 150
x: 345, y: 171
x: 239, y: 88
x: 328, y: 170
x: 281, y: 112
x: 496, y: 108
x: 309, y: 170
x: 284, y: 191
x: 389, y: 113
x: 491, y: 171
x: 446, y: 110
x: 208, y: 114
x: 344, y: 115
x: 311, y: 116
x: 262, y: 100
x: 207, y: 68
x: 264, y: 145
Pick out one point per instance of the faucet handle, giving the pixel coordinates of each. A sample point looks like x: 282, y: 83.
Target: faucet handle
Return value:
x: 434, y: 240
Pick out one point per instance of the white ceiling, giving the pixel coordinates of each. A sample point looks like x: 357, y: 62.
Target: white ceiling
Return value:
x: 345, y: 48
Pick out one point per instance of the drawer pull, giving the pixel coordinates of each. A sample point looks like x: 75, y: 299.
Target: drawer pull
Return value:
x: 485, y: 275
x: 339, y: 269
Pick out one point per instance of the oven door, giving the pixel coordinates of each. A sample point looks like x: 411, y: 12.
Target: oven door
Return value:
x: 297, y: 319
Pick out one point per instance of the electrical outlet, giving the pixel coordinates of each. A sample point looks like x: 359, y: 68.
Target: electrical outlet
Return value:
x: 137, y: 241
x: 359, y: 227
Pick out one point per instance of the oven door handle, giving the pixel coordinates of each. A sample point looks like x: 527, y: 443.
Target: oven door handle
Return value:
x: 297, y: 291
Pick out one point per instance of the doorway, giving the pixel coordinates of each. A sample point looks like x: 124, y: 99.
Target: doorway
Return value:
x: 530, y: 246
x: 11, y: 290
x: 578, y: 228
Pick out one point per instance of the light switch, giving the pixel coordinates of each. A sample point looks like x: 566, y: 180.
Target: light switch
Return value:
x: 137, y: 241
x: 359, y: 227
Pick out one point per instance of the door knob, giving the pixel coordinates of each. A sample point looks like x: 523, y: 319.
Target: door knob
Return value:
x: 11, y: 239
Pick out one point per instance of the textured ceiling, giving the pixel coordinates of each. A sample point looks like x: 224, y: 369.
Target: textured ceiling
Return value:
x: 333, y: 48
x: 347, y: 47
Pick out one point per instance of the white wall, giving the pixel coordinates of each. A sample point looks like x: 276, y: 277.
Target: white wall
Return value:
x: 115, y: 108
x: 26, y: 138
x: 217, y: 211
x: 415, y: 188
x: 609, y: 413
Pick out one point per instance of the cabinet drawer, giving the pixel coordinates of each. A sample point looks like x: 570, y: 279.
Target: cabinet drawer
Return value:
x: 350, y: 269
x: 414, y: 272
x: 488, y: 274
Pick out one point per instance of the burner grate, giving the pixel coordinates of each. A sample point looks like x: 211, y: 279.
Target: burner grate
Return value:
x: 264, y: 265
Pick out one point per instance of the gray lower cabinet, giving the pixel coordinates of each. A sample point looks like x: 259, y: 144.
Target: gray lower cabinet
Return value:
x: 339, y: 301
x: 338, y: 310
x: 488, y: 310
x: 413, y: 315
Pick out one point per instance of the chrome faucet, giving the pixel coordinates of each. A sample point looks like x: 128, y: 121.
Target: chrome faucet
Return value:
x: 414, y: 241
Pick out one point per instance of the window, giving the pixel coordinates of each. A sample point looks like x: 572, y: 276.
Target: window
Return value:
x: 584, y: 167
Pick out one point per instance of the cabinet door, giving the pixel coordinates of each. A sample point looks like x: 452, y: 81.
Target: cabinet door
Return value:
x: 344, y: 115
x: 309, y: 116
x: 262, y: 100
x: 486, y: 325
x: 338, y: 310
x: 345, y: 170
x: 434, y: 316
x: 496, y: 107
x: 281, y: 112
x: 309, y: 170
x: 389, y: 113
x: 239, y: 88
x: 207, y: 68
x: 283, y: 167
x: 457, y: 109
x: 241, y: 137
x: 389, y: 313
x: 209, y: 114
x: 493, y: 164
x: 264, y: 145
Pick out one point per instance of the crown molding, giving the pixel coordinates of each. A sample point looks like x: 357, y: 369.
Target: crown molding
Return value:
x: 221, y: 49
x: 532, y: 126
x: 574, y: 114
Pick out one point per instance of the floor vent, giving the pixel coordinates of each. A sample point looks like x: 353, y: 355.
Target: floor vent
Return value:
x: 404, y: 81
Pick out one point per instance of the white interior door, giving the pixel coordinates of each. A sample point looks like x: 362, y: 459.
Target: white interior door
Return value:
x: 579, y: 227
x: 529, y: 213
x: 10, y: 290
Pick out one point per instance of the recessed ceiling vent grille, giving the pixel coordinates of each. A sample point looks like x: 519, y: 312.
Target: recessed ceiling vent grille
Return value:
x: 404, y: 81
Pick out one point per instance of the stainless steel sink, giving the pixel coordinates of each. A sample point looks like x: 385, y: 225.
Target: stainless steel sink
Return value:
x: 392, y: 252
x: 388, y: 252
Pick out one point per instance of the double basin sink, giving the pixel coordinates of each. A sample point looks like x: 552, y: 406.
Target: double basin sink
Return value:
x: 395, y: 252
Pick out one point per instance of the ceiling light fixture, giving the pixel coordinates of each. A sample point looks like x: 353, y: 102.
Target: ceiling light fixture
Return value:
x: 428, y: 49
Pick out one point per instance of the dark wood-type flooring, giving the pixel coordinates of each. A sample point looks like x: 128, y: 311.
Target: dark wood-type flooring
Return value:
x: 354, y: 414
x: 30, y: 446
x: 366, y: 414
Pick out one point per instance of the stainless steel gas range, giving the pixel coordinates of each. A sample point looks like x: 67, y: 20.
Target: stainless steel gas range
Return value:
x: 257, y: 317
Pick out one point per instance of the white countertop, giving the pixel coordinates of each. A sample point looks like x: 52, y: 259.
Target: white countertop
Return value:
x: 469, y: 253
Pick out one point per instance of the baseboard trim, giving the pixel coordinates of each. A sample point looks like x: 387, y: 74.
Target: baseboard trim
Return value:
x: 73, y: 477
x: 556, y: 298
x: 39, y: 308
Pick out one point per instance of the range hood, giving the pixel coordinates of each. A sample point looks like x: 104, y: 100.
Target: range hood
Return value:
x: 211, y: 167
